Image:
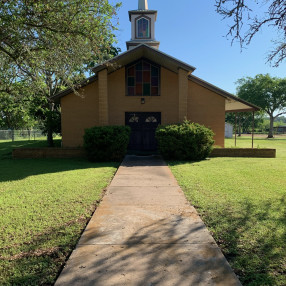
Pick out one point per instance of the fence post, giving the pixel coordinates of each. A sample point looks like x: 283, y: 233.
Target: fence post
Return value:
x: 253, y: 122
x: 235, y: 129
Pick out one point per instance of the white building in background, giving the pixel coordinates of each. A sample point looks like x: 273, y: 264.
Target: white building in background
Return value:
x: 228, y: 130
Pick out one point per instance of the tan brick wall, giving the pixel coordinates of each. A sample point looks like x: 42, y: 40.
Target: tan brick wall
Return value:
x: 103, y: 97
x: 78, y: 114
x: 243, y: 152
x: 35, y: 153
x: 203, y: 106
x: 166, y: 103
x: 183, y: 94
x: 207, y: 108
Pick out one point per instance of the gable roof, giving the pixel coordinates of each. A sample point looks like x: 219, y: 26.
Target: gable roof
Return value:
x: 233, y: 103
x: 144, y: 51
x: 141, y: 51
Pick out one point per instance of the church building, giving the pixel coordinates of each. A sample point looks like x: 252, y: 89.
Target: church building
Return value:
x: 143, y: 88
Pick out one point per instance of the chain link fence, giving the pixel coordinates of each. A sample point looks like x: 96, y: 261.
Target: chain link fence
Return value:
x: 18, y: 135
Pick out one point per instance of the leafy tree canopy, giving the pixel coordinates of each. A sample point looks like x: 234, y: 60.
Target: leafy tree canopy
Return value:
x: 249, y: 17
x: 14, y: 107
x: 267, y: 92
x: 244, y: 121
x: 52, y: 44
x: 54, y: 36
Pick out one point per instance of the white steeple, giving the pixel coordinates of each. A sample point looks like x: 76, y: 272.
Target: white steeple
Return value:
x: 142, y: 4
x: 142, y: 26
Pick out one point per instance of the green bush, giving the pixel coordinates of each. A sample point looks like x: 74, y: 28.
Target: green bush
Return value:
x: 186, y: 141
x: 106, y: 143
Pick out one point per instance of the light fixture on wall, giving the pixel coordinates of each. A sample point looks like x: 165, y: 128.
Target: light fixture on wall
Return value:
x: 142, y: 100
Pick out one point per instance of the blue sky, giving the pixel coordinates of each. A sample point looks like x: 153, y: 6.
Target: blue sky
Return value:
x: 193, y: 32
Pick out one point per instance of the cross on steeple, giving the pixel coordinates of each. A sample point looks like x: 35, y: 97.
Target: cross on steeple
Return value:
x: 142, y: 5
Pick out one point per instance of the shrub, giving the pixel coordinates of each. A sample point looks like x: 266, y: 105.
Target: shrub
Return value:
x: 186, y: 141
x: 106, y: 143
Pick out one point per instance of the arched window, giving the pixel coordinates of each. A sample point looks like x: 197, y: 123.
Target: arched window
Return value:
x: 143, y: 79
x: 143, y: 28
x: 151, y: 119
x: 134, y: 119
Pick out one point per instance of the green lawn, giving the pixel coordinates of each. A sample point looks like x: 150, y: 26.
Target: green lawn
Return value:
x: 243, y: 203
x: 44, y: 206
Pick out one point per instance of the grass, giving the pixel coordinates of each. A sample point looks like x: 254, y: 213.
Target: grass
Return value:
x: 243, y: 203
x: 44, y: 206
x: 6, y: 146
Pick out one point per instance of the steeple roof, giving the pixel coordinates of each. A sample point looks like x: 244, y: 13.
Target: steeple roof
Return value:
x: 142, y: 4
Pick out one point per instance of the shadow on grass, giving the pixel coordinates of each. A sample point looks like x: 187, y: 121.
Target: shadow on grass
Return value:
x: 38, y: 265
x: 11, y: 170
x: 157, y: 263
x: 252, y: 239
x: 251, y: 232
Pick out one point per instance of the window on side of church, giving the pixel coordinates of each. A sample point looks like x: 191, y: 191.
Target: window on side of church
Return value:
x: 143, y: 79
x: 143, y: 28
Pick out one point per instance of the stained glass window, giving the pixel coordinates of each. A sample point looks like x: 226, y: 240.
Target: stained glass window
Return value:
x: 143, y: 79
x: 143, y: 28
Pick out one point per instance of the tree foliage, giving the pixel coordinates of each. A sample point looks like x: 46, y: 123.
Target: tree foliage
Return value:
x: 106, y: 143
x: 54, y: 38
x: 267, y: 92
x: 249, y: 17
x: 244, y: 121
x: 60, y: 32
x: 53, y: 43
x: 15, y: 108
x: 185, y: 141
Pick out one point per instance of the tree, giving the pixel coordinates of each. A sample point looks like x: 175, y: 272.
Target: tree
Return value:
x: 246, y: 22
x: 14, y: 107
x: 53, y: 42
x: 267, y: 92
x: 244, y: 121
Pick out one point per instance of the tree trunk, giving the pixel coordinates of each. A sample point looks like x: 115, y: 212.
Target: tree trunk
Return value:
x: 270, y: 134
x: 50, y: 137
x: 49, y: 126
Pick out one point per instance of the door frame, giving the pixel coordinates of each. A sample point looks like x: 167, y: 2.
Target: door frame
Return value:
x: 145, y: 130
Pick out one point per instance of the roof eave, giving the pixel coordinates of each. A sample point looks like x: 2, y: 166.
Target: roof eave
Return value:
x: 68, y: 91
x: 225, y: 94
x: 180, y: 64
x: 241, y: 110
x: 142, y: 12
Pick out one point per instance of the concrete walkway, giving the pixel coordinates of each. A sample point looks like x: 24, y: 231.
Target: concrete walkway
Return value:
x: 146, y: 233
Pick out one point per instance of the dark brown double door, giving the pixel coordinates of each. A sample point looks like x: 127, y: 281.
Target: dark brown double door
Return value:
x: 143, y: 126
